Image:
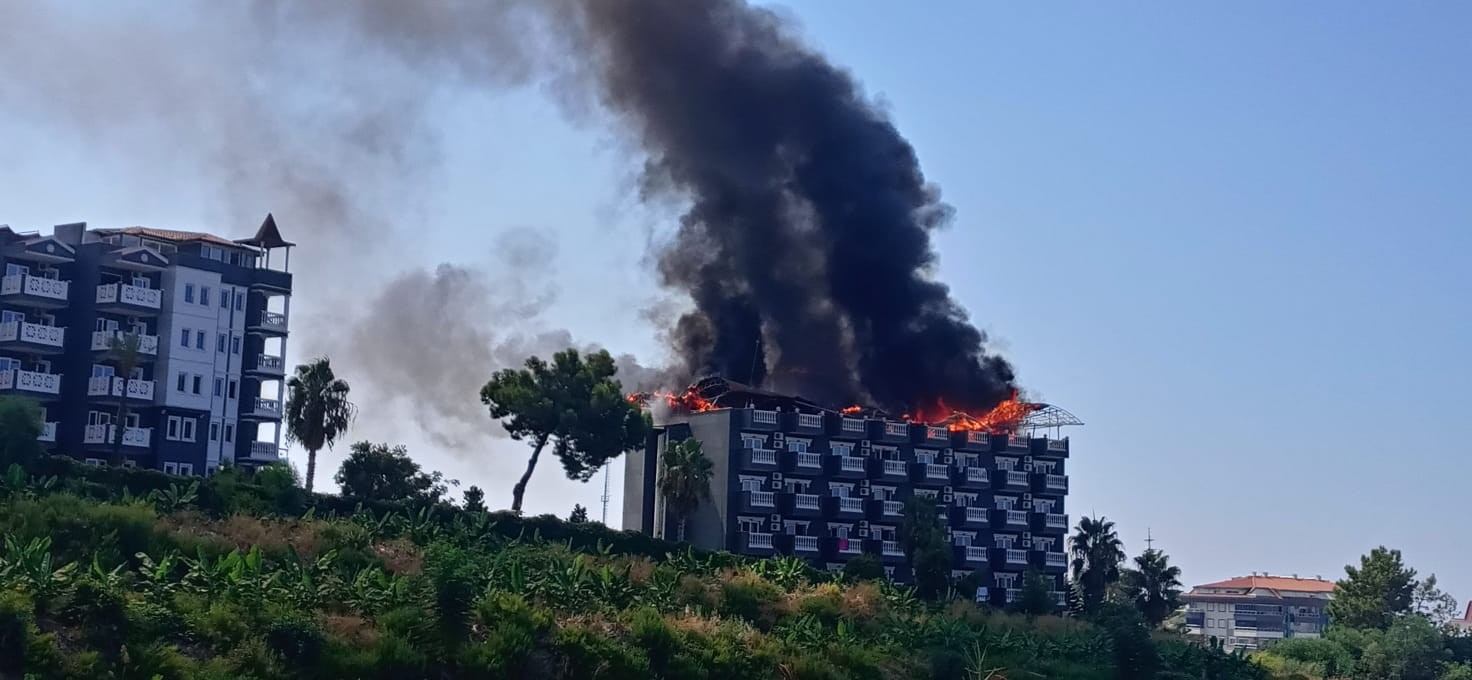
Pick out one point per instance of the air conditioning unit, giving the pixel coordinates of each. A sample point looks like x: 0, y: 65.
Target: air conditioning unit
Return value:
x: 777, y: 439
x: 1027, y: 467
x: 863, y: 525
x: 863, y: 484
x: 863, y: 533
x: 865, y: 491
x: 948, y: 497
x: 1027, y: 535
x: 947, y: 490
x: 948, y: 459
x: 1026, y: 543
x: 777, y: 485
x: 1027, y: 497
x: 866, y: 445
x: 775, y: 527
x: 1027, y: 459
x: 1026, y: 504
x: 776, y: 476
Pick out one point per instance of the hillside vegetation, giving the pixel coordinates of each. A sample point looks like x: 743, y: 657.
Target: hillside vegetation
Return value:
x: 113, y: 573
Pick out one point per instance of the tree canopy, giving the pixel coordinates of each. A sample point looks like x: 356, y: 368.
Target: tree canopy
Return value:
x: 923, y: 538
x: 317, y: 410
x: 21, y: 421
x: 381, y: 472
x: 1097, y: 553
x: 1375, y: 593
x: 1153, y: 585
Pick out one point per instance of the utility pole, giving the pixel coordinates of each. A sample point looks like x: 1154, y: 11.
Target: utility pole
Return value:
x: 605, y: 494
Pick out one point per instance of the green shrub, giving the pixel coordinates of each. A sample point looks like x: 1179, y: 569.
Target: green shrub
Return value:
x: 589, y: 655
x: 295, y: 635
x: 752, y: 599
x: 17, y: 624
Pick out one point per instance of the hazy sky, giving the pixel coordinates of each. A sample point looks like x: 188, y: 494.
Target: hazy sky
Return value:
x: 1231, y: 239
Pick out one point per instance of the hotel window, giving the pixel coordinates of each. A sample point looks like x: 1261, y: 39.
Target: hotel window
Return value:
x: 173, y: 432
x: 235, y: 344
x: 182, y: 378
x: 189, y: 292
x: 187, y: 432
x: 214, y: 432
x: 184, y: 337
x: 186, y: 469
x: 239, y: 301
x: 204, y: 295
x: 229, y: 433
x: 219, y: 387
x: 220, y: 343
x: 231, y: 394
x: 199, y: 339
x: 224, y: 298
x: 198, y: 384
x: 171, y: 468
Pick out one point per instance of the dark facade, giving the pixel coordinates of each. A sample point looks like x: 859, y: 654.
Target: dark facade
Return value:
x: 827, y: 487
x: 66, y: 296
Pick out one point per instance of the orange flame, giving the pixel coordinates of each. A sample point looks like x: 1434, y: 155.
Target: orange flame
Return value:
x: 1004, y: 418
x: 688, y: 400
x: 850, y: 410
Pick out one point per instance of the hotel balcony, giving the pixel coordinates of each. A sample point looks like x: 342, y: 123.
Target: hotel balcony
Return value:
x: 977, y: 441
x: 844, y: 507
x: 1010, y: 520
x: 1050, y: 523
x: 800, y: 504
x: 264, y: 451
x: 803, y: 464
x: 930, y: 474
x: 1054, y: 448
x: 1013, y: 480
x: 759, y: 459
x: 836, y: 547
x: 886, y: 511
x: 973, y: 554
x: 268, y: 323
x: 803, y: 546
x: 759, y: 502
x: 756, y: 543
x: 1019, y: 442
x: 1051, y: 485
x: 759, y: 419
x: 30, y: 383
x: 147, y: 344
x: 102, y: 435
x: 889, y: 552
x: 892, y: 470
x: 1051, y: 562
x: 1013, y: 558
x: 32, y: 338
x: 852, y: 427
x: 937, y: 436
x: 848, y: 467
x: 113, y: 386
x: 121, y: 298
x: 810, y: 422
x: 973, y: 477
x: 896, y: 431
x: 971, y: 517
x: 268, y: 365
x: 263, y: 409
x: 24, y: 290
x: 48, y: 432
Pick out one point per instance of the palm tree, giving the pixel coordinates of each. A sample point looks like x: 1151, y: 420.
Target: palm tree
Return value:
x: 123, y: 354
x: 1153, y: 585
x: 317, y: 410
x: 1097, y: 553
x: 685, y: 480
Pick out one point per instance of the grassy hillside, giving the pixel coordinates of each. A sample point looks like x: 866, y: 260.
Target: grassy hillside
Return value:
x: 133, y: 574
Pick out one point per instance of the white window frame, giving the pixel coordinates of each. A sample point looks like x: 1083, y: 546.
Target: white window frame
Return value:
x: 171, y: 468
x: 175, y: 423
x: 186, y: 429
x: 186, y: 469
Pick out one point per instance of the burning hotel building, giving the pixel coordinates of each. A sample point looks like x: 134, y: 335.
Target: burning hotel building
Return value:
x: 794, y: 478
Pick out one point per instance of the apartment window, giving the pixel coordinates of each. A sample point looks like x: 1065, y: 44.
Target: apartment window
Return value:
x: 235, y: 344
x: 220, y: 343
x: 204, y: 295
x: 239, y: 301
x: 214, y: 432
x: 751, y: 483
x: 187, y: 431
x: 224, y: 298
x: 199, y: 339
x: 171, y: 468
x: 186, y: 469
x: 184, y: 337
x: 229, y: 433
x: 233, y: 384
x: 173, y: 431
x: 198, y: 384
x: 219, y: 387
x: 189, y: 292
x: 182, y: 378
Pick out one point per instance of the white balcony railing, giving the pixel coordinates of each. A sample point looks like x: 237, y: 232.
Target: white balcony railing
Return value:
x: 102, y: 341
x: 1057, y: 444
x: 976, y: 474
x: 975, y: 553
x: 763, y: 456
x: 849, y: 546
x: 33, y: 333
x: 1061, y: 598
x: 937, y: 471
x: 1018, y: 441
x: 1017, y: 517
x: 1055, y: 559
x: 273, y: 320
x: 897, y: 429
x: 977, y: 438
x: 1015, y: 556
x: 34, y: 286
x: 849, y: 504
x: 758, y: 540
x: 976, y: 514
x: 811, y: 421
x: 260, y: 450
x: 48, y: 432
x: 937, y: 433
x: 894, y: 467
x: 893, y: 508
x: 809, y: 460
x: 270, y: 364
x: 805, y: 543
x: 853, y: 425
x: 103, y: 434
x: 1057, y: 482
x: 805, y: 501
x: 268, y: 407
x: 140, y: 389
x: 765, y: 417
x: 1017, y: 477
x: 30, y: 381
x: 851, y: 464
x: 115, y: 293
x: 1012, y: 594
x: 891, y: 548
x: 1056, y: 521
x: 764, y: 499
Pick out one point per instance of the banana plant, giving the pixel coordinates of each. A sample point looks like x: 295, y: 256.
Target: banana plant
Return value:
x: 175, y: 497
x: 157, y: 578
x: 30, y: 566
x: 112, y: 578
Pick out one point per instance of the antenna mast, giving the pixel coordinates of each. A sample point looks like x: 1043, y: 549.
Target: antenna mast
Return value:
x: 605, y: 495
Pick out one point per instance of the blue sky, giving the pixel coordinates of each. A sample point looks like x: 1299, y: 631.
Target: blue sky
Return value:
x: 1232, y: 239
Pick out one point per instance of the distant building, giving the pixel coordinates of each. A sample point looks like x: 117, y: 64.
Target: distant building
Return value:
x: 1249, y: 612
x: 1464, y: 624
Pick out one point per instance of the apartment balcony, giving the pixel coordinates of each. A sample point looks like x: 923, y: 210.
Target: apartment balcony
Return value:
x: 263, y: 409
x: 48, y: 432
x: 800, y: 504
x: 848, y: 467
x: 973, y: 477
x: 267, y: 365
x: 972, y: 517
x: 896, y: 431
x: 1050, y: 484
x: 852, y: 427
x: 937, y: 435
x: 30, y: 383
x: 973, y: 555
x: 759, y: 502
x: 977, y: 440
x: 102, y: 435
x: 24, y: 290
x: 803, y: 463
x: 886, y: 511
x: 1013, y: 480
x: 121, y: 298
x: 756, y: 543
x: 1052, y: 562
x: 268, y: 323
x: 844, y: 507
x: 32, y: 338
x: 1050, y: 523
x: 1055, y: 448
x: 1012, y: 595
x: 834, y: 546
x: 930, y: 474
x: 889, y: 552
x: 1019, y: 442
x: 762, y: 419
x: 147, y: 344
x: 759, y: 458
x: 892, y: 470
x: 806, y: 546
x: 1013, y: 558
x: 810, y: 422
x: 1010, y: 520
x: 264, y: 451
x: 111, y: 386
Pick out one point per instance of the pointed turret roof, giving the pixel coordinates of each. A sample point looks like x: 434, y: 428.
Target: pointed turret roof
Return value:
x: 268, y: 236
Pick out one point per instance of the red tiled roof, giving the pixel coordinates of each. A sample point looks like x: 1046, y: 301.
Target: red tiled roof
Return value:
x: 172, y: 235
x: 1301, y: 585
